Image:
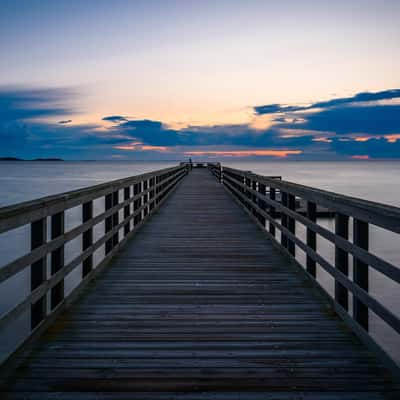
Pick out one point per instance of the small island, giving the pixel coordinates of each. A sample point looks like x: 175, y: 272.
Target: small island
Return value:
x: 34, y: 159
x: 10, y: 159
x: 46, y: 159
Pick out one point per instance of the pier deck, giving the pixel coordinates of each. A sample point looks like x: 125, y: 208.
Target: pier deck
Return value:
x: 200, y: 305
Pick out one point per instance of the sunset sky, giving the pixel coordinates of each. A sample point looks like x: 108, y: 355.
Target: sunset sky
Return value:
x: 204, y: 79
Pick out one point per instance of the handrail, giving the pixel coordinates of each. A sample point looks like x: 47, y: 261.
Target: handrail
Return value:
x: 382, y: 215
x: 142, y: 195
x: 25, y: 212
x: 259, y: 196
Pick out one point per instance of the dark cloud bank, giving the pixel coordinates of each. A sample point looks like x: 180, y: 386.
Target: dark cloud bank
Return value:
x: 115, y: 118
x: 357, y: 99
x: 321, y: 130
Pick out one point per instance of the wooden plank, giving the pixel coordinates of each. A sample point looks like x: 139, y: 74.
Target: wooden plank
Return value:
x: 221, y: 395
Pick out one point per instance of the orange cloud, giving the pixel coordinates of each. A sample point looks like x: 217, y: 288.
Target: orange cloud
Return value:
x: 362, y: 138
x: 139, y: 146
x: 322, y: 139
x: 244, y: 153
x: 361, y: 157
x: 155, y: 148
x: 127, y: 147
x: 392, y: 138
x: 262, y: 122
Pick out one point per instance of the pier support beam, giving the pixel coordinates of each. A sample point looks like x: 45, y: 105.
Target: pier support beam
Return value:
x: 87, y: 237
x: 38, y: 271
x: 360, y: 271
x: 342, y: 259
x: 127, y: 210
x: 311, y: 238
x: 272, y: 213
x: 57, y: 258
x: 291, y: 223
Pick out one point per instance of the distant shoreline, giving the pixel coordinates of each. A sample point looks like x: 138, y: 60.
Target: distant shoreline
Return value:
x: 34, y: 159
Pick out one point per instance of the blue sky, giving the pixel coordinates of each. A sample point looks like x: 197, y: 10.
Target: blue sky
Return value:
x: 211, y: 79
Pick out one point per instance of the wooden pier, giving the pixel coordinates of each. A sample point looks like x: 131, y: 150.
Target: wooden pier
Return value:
x: 193, y: 299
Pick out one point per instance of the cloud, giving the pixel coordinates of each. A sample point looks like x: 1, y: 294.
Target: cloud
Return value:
x: 358, y: 98
x: 370, y: 119
x: 275, y: 108
x: 392, y: 138
x: 155, y: 133
x: 361, y: 125
x: 374, y: 148
x: 245, y: 153
x: 306, y: 138
x: 138, y: 146
x: 357, y: 126
x: 18, y: 104
x: 20, y: 107
x: 115, y: 118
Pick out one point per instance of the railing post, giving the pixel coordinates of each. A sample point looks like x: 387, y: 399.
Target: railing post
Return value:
x: 272, y: 213
x: 311, y: 238
x: 157, y: 190
x: 87, y: 237
x: 108, y: 222
x: 221, y: 174
x: 127, y: 210
x: 57, y: 259
x: 38, y: 271
x: 342, y: 259
x: 284, y: 200
x: 262, y: 189
x: 248, y: 194
x: 115, y: 196
x: 145, y: 197
x: 151, y: 194
x: 360, y: 272
x: 291, y: 222
x: 254, y: 197
x: 243, y: 190
x: 137, y: 203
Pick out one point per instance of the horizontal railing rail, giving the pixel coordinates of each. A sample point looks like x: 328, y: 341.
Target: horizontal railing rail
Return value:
x: 216, y: 170
x: 258, y: 195
x: 142, y: 195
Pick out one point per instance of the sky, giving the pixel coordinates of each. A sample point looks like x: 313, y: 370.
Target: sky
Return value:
x: 161, y: 79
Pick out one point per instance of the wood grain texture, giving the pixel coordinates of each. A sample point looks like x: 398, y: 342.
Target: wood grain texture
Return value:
x: 200, y: 306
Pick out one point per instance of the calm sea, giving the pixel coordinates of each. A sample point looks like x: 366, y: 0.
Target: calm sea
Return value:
x: 377, y: 181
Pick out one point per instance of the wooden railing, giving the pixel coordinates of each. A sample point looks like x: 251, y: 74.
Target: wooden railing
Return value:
x: 259, y: 196
x: 142, y: 195
x: 216, y: 170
